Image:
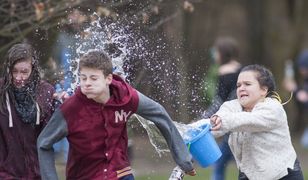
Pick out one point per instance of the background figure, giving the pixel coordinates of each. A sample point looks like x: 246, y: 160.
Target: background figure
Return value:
x: 225, y: 54
x: 64, y: 52
x: 301, y: 90
x: 26, y: 104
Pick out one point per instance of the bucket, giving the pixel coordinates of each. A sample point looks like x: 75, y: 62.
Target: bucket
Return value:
x: 203, y: 146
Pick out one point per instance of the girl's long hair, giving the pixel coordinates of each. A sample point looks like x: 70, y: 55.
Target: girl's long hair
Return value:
x: 17, y: 53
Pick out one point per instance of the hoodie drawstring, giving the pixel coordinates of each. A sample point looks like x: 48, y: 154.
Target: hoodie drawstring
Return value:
x: 37, y: 114
x: 10, y: 111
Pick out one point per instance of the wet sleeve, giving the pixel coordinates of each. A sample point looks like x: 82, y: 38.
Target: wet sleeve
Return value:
x: 153, y: 111
x: 55, y: 130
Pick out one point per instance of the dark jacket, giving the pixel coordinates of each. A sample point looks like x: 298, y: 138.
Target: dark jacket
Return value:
x: 226, y: 90
x: 18, y: 152
x: 97, y: 134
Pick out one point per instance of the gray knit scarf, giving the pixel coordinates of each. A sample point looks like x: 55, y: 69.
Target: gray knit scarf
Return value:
x: 25, y: 102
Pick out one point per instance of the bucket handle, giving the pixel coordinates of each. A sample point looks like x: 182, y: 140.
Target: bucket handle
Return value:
x: 188, y: 146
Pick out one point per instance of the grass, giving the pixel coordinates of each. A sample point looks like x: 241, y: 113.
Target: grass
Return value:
x: 202, y: 174
x: 231, y: 174
x: 149, y: 166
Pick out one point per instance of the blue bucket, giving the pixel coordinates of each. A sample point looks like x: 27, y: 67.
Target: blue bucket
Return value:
x: 203, y: 146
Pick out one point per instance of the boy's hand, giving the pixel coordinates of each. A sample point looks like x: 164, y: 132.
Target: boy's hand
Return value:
x: 215, y: 122
x: 192, y: 172
x: 62, y: 96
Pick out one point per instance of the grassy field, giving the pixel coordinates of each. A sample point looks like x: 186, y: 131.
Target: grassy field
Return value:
x: 203, y: 174
x: 149, y: 166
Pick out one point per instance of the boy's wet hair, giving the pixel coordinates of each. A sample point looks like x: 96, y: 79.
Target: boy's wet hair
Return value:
x: 264, y: 77
x: 96, y: 60
x: 227, y: 48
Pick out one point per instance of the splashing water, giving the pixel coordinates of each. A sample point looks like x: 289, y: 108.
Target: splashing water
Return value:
x: 117, y: 39
x: 122, y: 44
x: 158, y: 141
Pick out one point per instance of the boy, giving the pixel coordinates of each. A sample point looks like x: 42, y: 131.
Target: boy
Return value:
x: 94, y: 122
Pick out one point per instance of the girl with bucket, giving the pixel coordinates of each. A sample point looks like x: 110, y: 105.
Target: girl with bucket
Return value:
x: 260, y: 139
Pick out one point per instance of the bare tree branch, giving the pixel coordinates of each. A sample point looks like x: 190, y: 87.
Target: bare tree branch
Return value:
x: 19, y: 18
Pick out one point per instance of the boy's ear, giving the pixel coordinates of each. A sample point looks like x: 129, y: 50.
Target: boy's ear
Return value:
x: 109, y: 78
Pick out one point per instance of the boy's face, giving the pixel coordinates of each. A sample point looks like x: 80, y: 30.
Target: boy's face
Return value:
x: 94, y: 84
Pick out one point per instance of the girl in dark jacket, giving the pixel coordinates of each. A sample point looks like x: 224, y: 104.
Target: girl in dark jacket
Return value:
x: 26, y: 104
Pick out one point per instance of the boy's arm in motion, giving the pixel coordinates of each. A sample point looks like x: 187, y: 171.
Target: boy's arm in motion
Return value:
x: 55, y: 130
x: 153, y: 111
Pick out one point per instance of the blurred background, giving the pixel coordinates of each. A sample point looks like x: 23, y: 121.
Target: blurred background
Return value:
x: 174, y: 65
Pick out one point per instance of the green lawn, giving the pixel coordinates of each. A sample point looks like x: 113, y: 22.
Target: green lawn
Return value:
x: 202, y: 174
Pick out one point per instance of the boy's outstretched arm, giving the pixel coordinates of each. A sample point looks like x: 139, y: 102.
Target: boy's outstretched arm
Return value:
x: 153, y: 111
x: 55, y: 130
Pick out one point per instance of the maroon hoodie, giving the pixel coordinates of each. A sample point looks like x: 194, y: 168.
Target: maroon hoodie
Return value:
x: 97, y: 132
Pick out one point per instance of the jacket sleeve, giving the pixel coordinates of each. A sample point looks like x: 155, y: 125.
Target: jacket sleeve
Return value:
x: 153, y: 111
x: 55, y: 130
x: 202, y: 122
x: 265, y: 116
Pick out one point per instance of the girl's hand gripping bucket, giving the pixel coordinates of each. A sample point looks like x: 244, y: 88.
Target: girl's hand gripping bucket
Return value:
x: 203, y: 146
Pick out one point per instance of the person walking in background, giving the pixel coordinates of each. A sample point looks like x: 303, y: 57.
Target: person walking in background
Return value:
x: 64, y: 52
x: 225, y: 53
x: 94, y: 122
x: 259, y: 133
x: 301, y: 91
x: 26, y: 104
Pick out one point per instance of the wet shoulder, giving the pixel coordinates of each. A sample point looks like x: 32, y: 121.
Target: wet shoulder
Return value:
x: 45, y: 86
x: 71, y: 104
x: 45, y: 90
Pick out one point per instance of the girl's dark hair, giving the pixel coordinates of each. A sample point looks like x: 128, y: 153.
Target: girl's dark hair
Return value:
x: 97, y: 60
x: 227, y: 48
x: 18, y: 53
x: 264, y: 77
